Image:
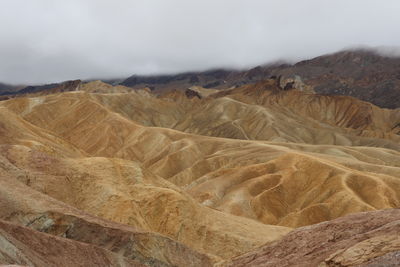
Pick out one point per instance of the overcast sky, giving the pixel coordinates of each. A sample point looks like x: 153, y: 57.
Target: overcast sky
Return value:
x: 53, y: 40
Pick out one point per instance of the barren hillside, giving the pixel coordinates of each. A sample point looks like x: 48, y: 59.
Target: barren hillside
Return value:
x: 193, y: 178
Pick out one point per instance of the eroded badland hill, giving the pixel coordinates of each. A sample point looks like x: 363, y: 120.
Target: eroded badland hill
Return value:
x: 251, y: 175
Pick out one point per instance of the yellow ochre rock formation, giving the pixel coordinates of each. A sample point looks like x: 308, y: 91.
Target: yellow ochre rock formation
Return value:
x: 214, y: 176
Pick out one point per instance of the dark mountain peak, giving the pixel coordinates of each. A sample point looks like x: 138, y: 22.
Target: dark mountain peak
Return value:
x: 364, y: 56
x: 9, y: 88
x: 57, y: 87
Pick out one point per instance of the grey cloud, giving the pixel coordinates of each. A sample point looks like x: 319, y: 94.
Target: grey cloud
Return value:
x: 53, y: 40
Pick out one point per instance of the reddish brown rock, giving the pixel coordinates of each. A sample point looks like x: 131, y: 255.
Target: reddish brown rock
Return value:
x: 366, y: 239
x: 21, y: 245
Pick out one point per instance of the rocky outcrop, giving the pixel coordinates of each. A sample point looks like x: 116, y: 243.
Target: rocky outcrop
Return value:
x: 191, y: 93
x: 364, y: 239
x: 25, y: 207
x: 294, y: 83
x: 23, y: 246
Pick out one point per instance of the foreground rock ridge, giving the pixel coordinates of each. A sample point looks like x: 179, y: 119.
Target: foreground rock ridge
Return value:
x: 257, y: 175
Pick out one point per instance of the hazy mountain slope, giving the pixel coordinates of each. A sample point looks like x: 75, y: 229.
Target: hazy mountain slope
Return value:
x: 362, y: 73
x: 165, y: 83
x: 6, y: 88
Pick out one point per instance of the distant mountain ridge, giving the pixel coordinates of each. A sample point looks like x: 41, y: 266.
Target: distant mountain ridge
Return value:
x: 8, y: 88
x: 363, y: 74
